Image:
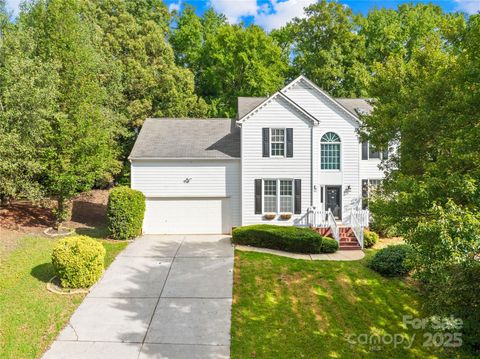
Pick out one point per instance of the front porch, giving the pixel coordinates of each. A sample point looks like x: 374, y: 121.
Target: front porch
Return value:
x: 348, y: 234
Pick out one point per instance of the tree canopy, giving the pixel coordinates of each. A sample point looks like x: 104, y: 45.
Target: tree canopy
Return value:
x: 228, y: 60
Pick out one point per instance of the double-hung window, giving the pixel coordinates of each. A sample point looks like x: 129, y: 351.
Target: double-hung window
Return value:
x: 286, y: 196
x: 270, y: 196
x: 277, y: 142
x: 277, y: 196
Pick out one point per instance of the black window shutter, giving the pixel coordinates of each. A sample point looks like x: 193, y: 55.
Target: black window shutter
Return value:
x: 266, y: 142
x: 298, y: 196
x: 364, y: 150
x: 258, y: 196
x: 364, y: 194
x: 289, y: 142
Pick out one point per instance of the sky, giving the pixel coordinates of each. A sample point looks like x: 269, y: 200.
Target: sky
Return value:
x: 272, y: 14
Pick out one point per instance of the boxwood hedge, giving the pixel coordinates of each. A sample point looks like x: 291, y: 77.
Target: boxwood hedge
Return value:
x: 393, y: 261
x: 125, y: 211
x: 78, y: 261
x: 286, y: 238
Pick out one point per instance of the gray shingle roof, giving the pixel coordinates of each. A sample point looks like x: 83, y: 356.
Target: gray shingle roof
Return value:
x: 247, y: 104
x: 187, y: 138
x: 357, y: 106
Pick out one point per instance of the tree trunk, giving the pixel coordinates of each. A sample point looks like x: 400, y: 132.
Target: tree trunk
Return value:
x: 5, y: 201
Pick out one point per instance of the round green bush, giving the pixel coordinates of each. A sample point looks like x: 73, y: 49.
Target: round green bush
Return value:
x: 329, y: 245
x: 393, y: 261
x: 125, y: 211
x: 78, y: 261
x: 369, y: 238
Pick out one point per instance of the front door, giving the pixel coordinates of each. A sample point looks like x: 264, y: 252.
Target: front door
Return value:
x: 334, y: 200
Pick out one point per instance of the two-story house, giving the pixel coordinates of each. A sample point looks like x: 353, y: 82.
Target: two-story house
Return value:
x: 284, y: 158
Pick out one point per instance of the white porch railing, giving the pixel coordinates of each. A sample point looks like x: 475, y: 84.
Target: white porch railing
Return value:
x: 362, y: 217
x: 321, y: 219
x: 317, y: 218
x: 332, y: 223
x: 357, y: 228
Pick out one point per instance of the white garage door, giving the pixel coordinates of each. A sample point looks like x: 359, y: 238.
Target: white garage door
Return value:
x: 187, y: 216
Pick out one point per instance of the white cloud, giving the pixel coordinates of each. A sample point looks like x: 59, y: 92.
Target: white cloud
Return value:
x: 280, y: 13
x: 469, y: 6
x: 13, y: 6
x: 175, y: 6
x: 270, y: 15
x: 234, y: 10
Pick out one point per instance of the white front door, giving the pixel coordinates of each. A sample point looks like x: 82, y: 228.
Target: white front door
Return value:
x: 187, y: 216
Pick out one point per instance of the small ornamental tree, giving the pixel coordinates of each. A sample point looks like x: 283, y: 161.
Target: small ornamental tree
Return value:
x: 125, y: 211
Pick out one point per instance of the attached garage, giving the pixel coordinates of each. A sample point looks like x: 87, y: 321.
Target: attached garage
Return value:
x: 189, y: 172
x: 188, y: 215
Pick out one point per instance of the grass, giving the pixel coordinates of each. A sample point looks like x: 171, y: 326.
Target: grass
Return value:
x: 30, y: 316
x: 287, y: 308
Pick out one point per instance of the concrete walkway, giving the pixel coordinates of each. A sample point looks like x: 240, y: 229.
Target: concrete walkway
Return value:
x: 345, y: 255
x: 162, y: 297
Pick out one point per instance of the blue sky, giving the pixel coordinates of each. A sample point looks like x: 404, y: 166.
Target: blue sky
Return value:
x: 272, y: 14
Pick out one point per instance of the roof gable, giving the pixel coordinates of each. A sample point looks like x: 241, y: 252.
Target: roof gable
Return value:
x: 280, y: 94
x: 332, y: 100
x: 339, y: 103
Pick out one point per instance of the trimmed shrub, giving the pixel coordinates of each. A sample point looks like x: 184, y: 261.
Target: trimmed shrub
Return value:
x: 369, y: 238
x: 286, y: 238
x: 125, y: 211
x: 393, y: 261
x: 329, y: 245
x: 78, y: 261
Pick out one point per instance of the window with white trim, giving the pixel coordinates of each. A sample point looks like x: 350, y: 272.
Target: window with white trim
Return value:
x: 270, y: 196
x: 330, y: 151
x: 370, y: 152
x: 278, y: 195
x: 286, y: 196
x: 277, y: 142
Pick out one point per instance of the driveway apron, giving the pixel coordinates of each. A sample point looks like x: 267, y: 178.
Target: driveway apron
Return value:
x: 164, y: 296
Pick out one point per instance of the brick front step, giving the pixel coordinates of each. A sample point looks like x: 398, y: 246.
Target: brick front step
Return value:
x: 348, y: 241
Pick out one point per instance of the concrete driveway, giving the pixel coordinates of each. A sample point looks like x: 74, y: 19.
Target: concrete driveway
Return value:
x: 162, y: 297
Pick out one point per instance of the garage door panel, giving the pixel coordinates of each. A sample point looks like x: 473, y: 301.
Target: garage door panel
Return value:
x: 187, y: 216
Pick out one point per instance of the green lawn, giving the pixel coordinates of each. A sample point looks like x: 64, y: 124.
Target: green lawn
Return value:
x: 30, y: 316
x: 287, y: 308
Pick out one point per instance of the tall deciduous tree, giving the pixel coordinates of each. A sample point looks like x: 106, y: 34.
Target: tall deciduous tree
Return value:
x: 133, y: 35
x: 80, y: 141
x: 430, y: 106
x: 28, y: 93
x: 325, y: 46
x: 227, y: 60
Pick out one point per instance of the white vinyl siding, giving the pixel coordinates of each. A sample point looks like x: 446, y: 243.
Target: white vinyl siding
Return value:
x: 275, y: 114
x: 190, y: 179
x: 332, y: 119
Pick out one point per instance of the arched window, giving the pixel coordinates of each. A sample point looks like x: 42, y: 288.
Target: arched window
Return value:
x: 330, y: 152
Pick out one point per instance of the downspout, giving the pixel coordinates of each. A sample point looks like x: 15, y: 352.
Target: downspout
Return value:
x: 311, y: 166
